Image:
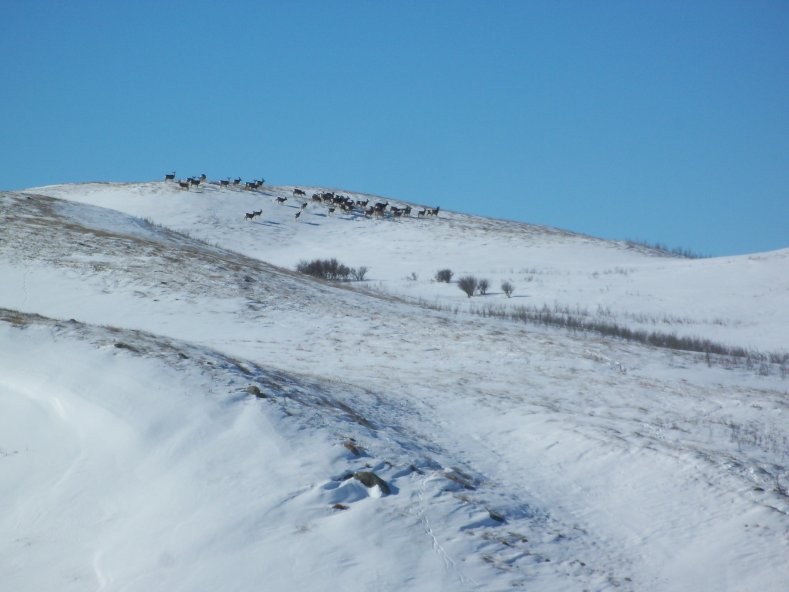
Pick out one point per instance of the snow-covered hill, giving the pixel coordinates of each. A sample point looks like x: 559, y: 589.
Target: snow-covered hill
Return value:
x: 137, y: 320
x: 739, y: 300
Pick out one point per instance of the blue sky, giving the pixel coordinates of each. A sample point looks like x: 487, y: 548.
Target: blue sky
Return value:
x: 660, y: 121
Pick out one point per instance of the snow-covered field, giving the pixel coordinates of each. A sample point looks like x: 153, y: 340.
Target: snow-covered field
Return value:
x: 136, y: 320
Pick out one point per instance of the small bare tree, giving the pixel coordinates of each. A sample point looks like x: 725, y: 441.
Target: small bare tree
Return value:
x: 482, y: 287
x: 507, y: 288
x: 358, y: 273
x: 468, y: 284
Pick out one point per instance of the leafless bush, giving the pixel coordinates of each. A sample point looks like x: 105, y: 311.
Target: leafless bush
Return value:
x: 358, y: 273
x: 444, y: 275
x: 468, y: 283
x: 482, y: 286
x: 327, y: 269
x: 507, y: 288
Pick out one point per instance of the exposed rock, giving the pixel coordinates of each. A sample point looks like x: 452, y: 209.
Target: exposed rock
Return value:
x: 370, y: 479
x: 494, y: 515
x: 254, y: 390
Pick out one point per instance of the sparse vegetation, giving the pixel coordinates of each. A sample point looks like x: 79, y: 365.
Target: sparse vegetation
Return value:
x: 675, y: 251
x: 123, y: 345
x: 444, y: 275
x: 462, y: 478
x: 579, y: 320
x: 353, y: 447
x: 507, y: 288
x: 482, y: 286
x: 17, y: 318
x: 468, y: 283
x: 331, y: 269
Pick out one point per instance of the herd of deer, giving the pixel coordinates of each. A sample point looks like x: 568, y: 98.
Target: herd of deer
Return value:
x: 330, y: 199
x: 196, y: 181
x: 377, y: 210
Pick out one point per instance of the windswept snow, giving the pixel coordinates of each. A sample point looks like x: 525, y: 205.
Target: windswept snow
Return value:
x: 136, y: 319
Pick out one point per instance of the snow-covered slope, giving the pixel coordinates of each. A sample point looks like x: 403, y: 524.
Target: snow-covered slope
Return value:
x: 739, y: 301
x: 133, y: 456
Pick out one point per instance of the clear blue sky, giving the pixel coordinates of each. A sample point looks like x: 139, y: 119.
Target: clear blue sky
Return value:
x: 666, y: 121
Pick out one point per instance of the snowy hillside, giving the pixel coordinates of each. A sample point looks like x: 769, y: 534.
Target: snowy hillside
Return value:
x: 180, y: 409
x: 735, y: 300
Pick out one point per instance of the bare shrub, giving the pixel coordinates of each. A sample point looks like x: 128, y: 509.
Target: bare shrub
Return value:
x: 358, y: 273
x: 444, y: 275
x: 468, y: 283
x: 327, y: 269
x: 507, y: 288
x: 482, y: 286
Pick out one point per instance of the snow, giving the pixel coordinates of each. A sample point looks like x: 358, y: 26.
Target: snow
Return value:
x: 134, y: 317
